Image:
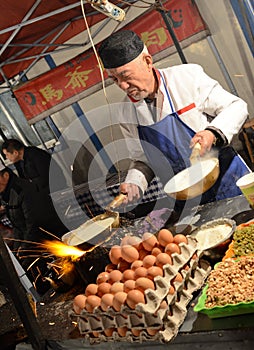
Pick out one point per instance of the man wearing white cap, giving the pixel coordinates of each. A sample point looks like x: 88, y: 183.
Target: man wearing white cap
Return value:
x: 169, y: 111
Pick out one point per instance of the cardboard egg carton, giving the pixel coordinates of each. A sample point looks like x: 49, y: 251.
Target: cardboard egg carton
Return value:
x: 165, y: 321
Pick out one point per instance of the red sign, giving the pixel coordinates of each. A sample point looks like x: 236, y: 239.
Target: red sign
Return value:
x: 70, y: 81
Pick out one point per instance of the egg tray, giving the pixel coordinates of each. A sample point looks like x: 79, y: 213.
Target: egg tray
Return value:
x: 149, y: 315
x: 165, y: 322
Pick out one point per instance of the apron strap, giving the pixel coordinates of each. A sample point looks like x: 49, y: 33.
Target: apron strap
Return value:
x: 167, y: 92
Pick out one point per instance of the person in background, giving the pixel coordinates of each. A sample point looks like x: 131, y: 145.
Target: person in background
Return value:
x: 33, y: 164
x: 29, y: 219
x: 171, y: 110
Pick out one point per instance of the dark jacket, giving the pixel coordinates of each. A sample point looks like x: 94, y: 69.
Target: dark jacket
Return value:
x: 35, y: 167
x: 28, y: 211
x: 20, y: 203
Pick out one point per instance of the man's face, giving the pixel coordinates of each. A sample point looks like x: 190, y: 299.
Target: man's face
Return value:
x: 13, y: 157
x: 135, y: 78
x: 4, y: 178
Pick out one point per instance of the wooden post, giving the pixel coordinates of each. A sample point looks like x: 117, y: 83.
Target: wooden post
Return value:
x: 20, y: 299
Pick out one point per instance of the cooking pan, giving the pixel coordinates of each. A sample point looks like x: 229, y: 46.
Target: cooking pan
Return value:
x: 194, y: 180
x: 85, y: 235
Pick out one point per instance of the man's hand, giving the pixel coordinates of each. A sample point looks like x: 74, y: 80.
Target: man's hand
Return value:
x: 206, y: 139
x: 132, y: 191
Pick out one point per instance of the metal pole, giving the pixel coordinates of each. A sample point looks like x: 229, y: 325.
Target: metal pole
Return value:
x: 222, y: 65
x: 171, y: 31
x: 20, y: 299
x: 13, y: 123
x: 39, y: 136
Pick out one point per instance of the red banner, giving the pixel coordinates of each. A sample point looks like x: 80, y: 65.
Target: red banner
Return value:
x: 44, y: 94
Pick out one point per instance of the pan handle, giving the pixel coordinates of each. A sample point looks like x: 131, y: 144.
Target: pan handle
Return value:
x: 195, y: 154
x: 116, y: 202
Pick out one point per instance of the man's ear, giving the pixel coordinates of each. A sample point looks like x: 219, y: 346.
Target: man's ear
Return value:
x: 148, y: 59
x: 17, y: 154
x: 6, y: 176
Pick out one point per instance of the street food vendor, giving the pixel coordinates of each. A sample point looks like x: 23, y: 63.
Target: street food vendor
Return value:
x: 169, y: 111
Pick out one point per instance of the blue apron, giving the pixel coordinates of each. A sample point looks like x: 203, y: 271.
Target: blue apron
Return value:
x: 166, y: 145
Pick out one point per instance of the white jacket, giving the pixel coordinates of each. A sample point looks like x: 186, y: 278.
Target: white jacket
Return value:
x: 200, y: 102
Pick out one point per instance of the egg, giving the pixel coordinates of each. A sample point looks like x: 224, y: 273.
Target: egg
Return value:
x: 91, y: 289
x: 102, y: 277
x: 115, y: 276
x: 109, y: 332
x: 128, y: 275
x: 178, y: 278
x: 125, y: 240
x: 79, y: 303
x: 143, y: 283
x: 115, y: 254
x: 136, y: 264
x: 116, y: 287
x: 134, y: 297
x: 119, y: 300
x: 186, y: 267
x: 103, y: 288
x: 154, y: 271
x: 135, y: 242
x: 122, y: 331
x: 148, y: 261
x: 129, y: 253
x: 96, y: 334
x: 110, y: 267
x: 92, y: 301
x: 136, y: 332
x: 157, y: 250
x: 180, y: 238
x: 107, y: 301
x: 172, y: 248
x: 165, y: 237
x: 123, y: 265
x: 163, y: 259
x: 128, y: 285
x: 149, y: 241
x: 152, y: 331
x: 142, y: 254
x: 171, y: 290
x: 163, y: 305
x: 140, y: 272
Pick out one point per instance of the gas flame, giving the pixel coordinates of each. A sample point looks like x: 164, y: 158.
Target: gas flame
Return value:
x: 60, y: 249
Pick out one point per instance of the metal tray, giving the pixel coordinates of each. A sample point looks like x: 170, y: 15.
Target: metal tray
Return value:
x: 209, y: 243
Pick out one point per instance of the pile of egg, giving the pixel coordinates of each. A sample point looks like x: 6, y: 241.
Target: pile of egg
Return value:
x: 134, y: 265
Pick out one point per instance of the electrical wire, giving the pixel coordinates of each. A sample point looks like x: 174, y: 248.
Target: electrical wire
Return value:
x: 94, y: 49
x: 103, y: 87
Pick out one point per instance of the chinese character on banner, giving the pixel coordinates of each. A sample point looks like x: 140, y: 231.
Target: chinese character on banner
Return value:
x: 155, y: 37
x: 49, y: 94
x: 71, y: 80
x: 77, y: 79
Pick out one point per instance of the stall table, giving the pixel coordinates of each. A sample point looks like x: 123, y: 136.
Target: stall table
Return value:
x: 197, y: 331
